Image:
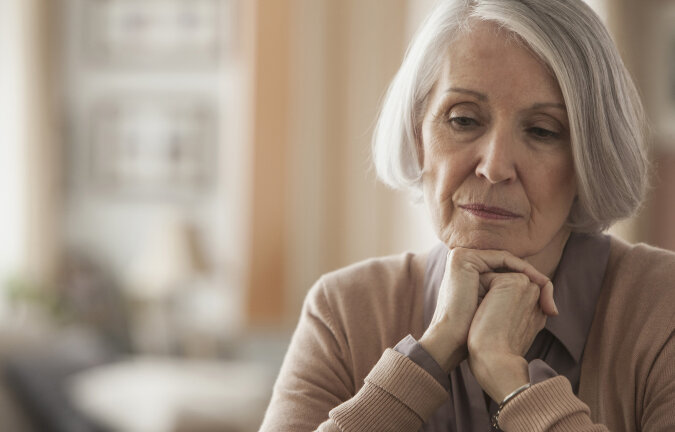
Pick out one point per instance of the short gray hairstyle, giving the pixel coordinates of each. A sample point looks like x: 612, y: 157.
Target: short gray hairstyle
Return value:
x: 608, y: 127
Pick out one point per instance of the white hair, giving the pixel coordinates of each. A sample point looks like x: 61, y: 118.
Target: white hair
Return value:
x: 606, y: 116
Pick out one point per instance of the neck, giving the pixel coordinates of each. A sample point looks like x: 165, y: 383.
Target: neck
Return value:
x: 547, y: 260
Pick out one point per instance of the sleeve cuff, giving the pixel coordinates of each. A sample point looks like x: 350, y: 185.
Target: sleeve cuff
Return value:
x: 545, y: 405
x: 412, y: 349
x: 397, y: 395
x: 540, y: 371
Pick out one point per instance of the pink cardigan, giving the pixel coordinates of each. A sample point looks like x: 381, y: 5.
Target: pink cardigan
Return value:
x: 340, y: 373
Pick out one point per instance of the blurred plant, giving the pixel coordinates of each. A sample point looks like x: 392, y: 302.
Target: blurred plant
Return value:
x: 84, y: 296
x: 21, y: 292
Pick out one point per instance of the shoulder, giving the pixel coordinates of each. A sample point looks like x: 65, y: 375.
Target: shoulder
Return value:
x: 646, y: 269
x: 377, y: 301
x: 387, y: 280
x: 373, y: 273
x: 639, y: 284
x: 644, y: 254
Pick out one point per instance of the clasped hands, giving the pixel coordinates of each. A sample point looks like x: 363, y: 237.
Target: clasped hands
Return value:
x: 490, y: 307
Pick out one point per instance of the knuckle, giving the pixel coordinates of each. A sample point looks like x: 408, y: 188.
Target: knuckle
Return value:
x: 532, y: 291
x: 516, y: 280
x: 534, y: 288
x: 501, y: 281
x: 457, y: 254
x: 522, y: 279
x: 460, y: 259
x: 452, y: 256
x: 473, y: 344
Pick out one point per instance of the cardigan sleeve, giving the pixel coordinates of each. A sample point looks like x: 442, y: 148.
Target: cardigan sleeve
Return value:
x: 412, y: 349
x: 659, y: 402
x: 315, y: 389
x: 548, y: 406
x: 551, y: 405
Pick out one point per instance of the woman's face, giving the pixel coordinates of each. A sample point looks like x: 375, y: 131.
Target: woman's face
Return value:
x: 498, y: 170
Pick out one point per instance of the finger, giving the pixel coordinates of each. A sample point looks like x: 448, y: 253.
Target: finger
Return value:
x: 487, y: 279
x: 485, y: 283
x: 546, y: 300
x: 491, y: 260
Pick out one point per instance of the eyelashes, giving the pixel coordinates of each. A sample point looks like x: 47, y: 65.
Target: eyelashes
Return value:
x: 467, y: 120
x: 464, y: 123
x: 544, y: 134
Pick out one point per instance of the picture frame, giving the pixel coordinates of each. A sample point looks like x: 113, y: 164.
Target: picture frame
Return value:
x: 156, y: 33
x: 152, y: 146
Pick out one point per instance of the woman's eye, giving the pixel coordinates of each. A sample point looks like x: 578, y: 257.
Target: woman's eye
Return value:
x: 463, y: 122
x: 542, y: 133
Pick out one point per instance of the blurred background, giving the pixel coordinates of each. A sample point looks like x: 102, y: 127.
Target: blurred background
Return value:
x: 176, y: 174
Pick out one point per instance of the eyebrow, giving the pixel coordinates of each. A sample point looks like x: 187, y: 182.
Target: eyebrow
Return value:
x: 477, y: 95
x: 483, y: 97
x: 549, y: 105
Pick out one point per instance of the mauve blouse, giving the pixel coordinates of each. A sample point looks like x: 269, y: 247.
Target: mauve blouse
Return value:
x: 556, y: 350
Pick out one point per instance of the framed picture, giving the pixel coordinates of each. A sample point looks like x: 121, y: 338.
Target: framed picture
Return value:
x: 156, y: 32
x: 151, y: 146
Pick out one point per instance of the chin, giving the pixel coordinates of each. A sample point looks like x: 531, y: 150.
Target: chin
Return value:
x: 483, y: 240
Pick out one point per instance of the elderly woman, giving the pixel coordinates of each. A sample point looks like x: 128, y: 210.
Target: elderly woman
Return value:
x: 518, y: 124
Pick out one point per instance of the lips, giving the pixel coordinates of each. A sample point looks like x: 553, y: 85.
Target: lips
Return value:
x: 489, y: 212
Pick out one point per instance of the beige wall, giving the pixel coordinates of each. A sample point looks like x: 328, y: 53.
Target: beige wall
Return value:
x: 342, y: 55
x: 270, y: 143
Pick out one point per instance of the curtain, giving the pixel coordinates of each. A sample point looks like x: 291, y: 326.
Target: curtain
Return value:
x: 30, y: 191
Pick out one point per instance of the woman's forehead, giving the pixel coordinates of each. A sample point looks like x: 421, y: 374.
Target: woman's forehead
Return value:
x: 493, y: 61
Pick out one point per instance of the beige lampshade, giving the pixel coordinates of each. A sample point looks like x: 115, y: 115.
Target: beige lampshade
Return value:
x: 168, y: 259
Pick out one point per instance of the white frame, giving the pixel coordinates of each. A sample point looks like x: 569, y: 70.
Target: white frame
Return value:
x: 152, y: 146
x: 155, y: 33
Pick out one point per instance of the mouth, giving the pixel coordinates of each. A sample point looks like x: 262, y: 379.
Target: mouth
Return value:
x: 489, y: 212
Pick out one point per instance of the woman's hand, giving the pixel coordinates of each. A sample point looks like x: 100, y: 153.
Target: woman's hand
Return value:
x: 502, y: 330
x: 460, y: 294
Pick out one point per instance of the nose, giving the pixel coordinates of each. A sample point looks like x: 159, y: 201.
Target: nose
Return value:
x: 497, y: 158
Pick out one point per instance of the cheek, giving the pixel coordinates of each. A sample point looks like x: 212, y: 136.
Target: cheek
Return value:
x: 559, y: 188
x: 445, y: 167
x: 438, y: 188
x: 441, y: 180
x: 433, y: 183
x: 567, y: 183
